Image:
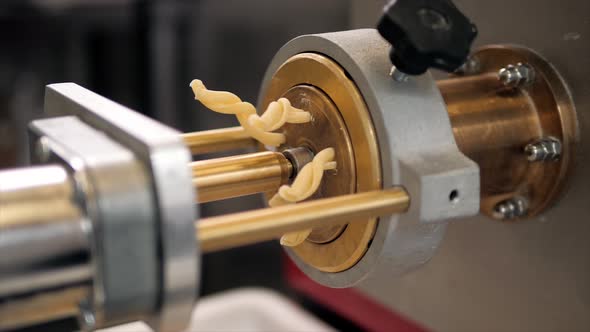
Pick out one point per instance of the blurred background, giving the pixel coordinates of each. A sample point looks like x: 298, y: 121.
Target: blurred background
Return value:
x: 143, y: 54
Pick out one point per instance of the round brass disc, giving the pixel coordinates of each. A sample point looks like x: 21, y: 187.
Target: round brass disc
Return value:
x: 341, y: 120
x: 327, y: 129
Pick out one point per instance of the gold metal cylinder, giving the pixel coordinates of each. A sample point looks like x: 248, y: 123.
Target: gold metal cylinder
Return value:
x: 216, y: 140
x: 491, y: 128
x: 244, y: 228
x: 228, y: 177
x: 494, y: 123
x: 42, y: 307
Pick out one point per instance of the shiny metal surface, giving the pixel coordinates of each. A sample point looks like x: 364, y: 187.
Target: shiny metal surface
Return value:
x: 38, y: 279
x: 512, y: 208
x: 221, y: 178
x: 217, y: 140
x: 341, y: 120
x: 44, y: 245
x: 515, y: 75
x: 38, y: 183
x: 543, y: 149
x: 113, y: 190
x: 43, y: 240
x: 326, y: 130
x: 233, y: 230
x: 493, y: 123
x: 417, y: 150
x: 36, y: 308
x: 298, y: 157
x: 162, y: 156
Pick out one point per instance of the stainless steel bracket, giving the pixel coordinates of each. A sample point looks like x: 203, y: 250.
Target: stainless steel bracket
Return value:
x: 133, y: 177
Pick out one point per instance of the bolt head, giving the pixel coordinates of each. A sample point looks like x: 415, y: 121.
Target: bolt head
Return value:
x: 514, y: 76
x: 545, y: 149
x: 512, y: 208
x: 535, y: 152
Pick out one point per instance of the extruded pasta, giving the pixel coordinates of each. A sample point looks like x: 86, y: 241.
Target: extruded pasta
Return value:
x: 307, y: 181
x: 258, y: 127
x: 305, y: 184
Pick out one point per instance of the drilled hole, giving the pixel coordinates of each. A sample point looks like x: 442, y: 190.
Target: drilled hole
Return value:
x: 454, y: 196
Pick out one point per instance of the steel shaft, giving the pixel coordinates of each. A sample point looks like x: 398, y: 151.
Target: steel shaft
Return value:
x: 44, y: 247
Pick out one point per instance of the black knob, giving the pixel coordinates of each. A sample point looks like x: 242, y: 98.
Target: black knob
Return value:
x: 425, y: 34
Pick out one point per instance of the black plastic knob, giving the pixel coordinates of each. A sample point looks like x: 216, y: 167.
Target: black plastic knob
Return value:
x: 426, y: 34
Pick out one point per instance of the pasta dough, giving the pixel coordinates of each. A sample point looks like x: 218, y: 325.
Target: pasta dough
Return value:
x: 258, y: 127
x: 305, y: 184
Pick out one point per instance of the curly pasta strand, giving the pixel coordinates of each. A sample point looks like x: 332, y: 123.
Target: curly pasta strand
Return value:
x: 258, y: 127
x: 305, y: 184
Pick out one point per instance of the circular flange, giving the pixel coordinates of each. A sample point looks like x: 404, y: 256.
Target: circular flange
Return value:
x: 341, y: 120
x: 510, y: 118
x: 408, y: 127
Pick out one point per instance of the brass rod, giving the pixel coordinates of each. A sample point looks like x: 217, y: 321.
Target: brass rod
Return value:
x: 42, y: 307
x: 221, y: 178
x: 216, y: 140
x: 238, y: 229
x: 491, y: 127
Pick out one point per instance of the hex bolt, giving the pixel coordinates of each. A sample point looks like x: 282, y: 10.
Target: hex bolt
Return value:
x: 398, y: 75
x: 515, y: 76
x: 544, y: 149
x: 511, y: 208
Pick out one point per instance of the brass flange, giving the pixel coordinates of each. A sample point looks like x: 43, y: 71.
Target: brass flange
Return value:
x: 494, y: 120
x: 492, y: 123
x: 341, y: 120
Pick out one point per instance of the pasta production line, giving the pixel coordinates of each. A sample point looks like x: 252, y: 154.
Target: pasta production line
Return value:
x: 371, y: 145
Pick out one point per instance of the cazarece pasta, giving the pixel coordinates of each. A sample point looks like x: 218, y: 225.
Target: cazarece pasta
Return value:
x: 305, y: 184
x: 258, y: 127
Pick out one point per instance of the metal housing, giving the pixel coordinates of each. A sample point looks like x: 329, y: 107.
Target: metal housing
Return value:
x: 418, y: 152
x: 138, y: 192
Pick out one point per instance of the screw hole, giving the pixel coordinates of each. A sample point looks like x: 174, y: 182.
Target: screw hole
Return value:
x: 454, y: 196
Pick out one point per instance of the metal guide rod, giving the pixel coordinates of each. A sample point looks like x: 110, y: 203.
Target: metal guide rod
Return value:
x: 238, y: 229
x: 234, y: 176
x: 216, y: 140
x: 35, y: 308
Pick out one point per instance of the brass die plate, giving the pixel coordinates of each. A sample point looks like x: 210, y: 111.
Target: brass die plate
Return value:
x: 327, y: 129
x: 317, y: 84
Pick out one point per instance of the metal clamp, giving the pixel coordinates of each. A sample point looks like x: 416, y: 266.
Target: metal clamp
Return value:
x: 133, y: 180
x: 418, y: 151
